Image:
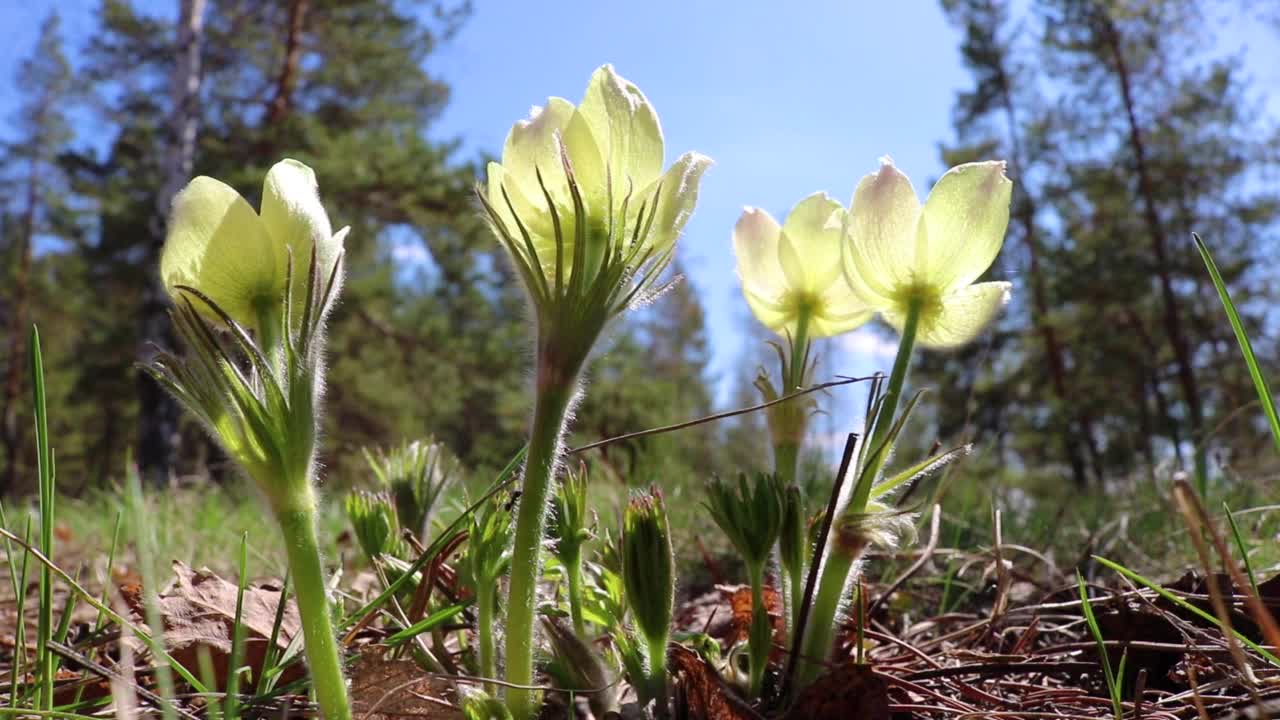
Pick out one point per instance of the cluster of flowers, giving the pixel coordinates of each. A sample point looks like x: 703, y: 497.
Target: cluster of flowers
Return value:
x: 589, y: 217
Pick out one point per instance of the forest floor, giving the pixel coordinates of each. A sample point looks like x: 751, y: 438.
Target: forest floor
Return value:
x: 993, y: 630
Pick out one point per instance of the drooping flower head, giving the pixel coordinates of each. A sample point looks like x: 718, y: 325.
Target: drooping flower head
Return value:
x: 240, y: 258
x: 583, y: 206
x: 791, y: 273
x: 898, y: 252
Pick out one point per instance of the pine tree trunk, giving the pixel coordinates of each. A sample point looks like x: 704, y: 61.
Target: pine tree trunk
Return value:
x: 282, y: 102
x: 157, y: 412
x: 1173, y: 324
x: 10, y: 430
x: 1080, y: 426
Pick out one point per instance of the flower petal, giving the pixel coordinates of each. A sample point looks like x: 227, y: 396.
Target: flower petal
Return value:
x: 217, y: 244
x: 839, y: 311
x: 755, y: 243
x: 295, y: 219
x: 589, y: 169
x: 959, y: 317
x: 673, y: 198
x: 626, y: 131
x: 814, y: 232
x: 770, y: 313
x: 533, y: 145
x: 879, y: 257
x: 964, y: 223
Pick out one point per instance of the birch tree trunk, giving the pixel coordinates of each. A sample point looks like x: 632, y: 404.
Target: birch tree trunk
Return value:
x: 158, y: 414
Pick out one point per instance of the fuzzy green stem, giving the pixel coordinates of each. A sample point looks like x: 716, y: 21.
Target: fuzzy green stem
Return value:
x: 786, y: 448
x: 820, y: 630
x: 658, y: 675
x: 786, y: 461
x: 760, y: 635
x: 311, y: 592
x: 795, y: 578
x: 540, y: 463
x: 888, y: 408
x: 799, y: 352
x: 573, y: 571
x: 484, y: 620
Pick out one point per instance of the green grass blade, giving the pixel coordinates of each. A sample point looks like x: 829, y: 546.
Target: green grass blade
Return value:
x: 44, y: 468
x: 20, y: 631
x: 143, y: 538
x: 1104, y: 659
x: 1244, y: 553
x: 1117, y: 692
x: 272, y: 656
x: 427, y: 624
x: 1242, y: 337
x: 1208, y: 617
x: 155, y: 647
x: 237, y: 636
x: 104, y: 598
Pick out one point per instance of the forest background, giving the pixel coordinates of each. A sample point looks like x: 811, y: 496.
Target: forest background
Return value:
x: 1127, y: 125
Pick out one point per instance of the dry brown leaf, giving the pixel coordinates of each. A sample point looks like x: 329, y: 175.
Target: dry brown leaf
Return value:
x: 394, y: 689
x: 849, y: 691
x: 702, y: 694
x: 199, y: 611
x: 739, y: 597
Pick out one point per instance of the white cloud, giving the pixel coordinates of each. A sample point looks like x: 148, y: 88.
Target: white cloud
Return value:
x: 869, y: 343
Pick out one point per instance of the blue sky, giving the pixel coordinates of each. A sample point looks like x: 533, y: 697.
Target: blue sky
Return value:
x: 788, y: 99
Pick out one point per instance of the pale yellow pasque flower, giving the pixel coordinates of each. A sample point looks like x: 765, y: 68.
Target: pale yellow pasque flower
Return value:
x: 898, y: 253
x: 240, y: 258
x: 792, y: 273
x: 580, y: 187
x: 590, y: 220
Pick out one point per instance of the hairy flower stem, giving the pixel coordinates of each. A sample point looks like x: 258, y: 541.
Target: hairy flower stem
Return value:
x: 323, y: 659
x: 786, y: 448
x: 889, y: 408
x: 820, y: 631
x: 658, y: 675
x: 484, y: 630
x: 760, y: 637
x: 786, y: 459
x: 843, y: 553
x: 573, y: 572
x: 555, y: 393
x: 794, y: 596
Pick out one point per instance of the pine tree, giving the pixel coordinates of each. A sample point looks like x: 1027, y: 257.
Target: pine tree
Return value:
x: 1124, y: 135
x: 430, y: 337
x: 43, y: 132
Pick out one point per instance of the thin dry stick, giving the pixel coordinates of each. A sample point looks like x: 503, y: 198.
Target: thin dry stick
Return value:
x: 422, y: 596
x: 1266, y: 621
x: 811, y: 583
x: 111, y: 676
x: 1139, y: 688
x: 1003, y: 581
x: 1195, y: 692
x: 844, y: 380
x: 1181, y: 492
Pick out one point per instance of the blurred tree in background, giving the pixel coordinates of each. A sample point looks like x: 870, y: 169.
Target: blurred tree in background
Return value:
x: 1125, y: 133
x: 430, y: 337
x: 1125, y: 124
x: 40, y: 207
